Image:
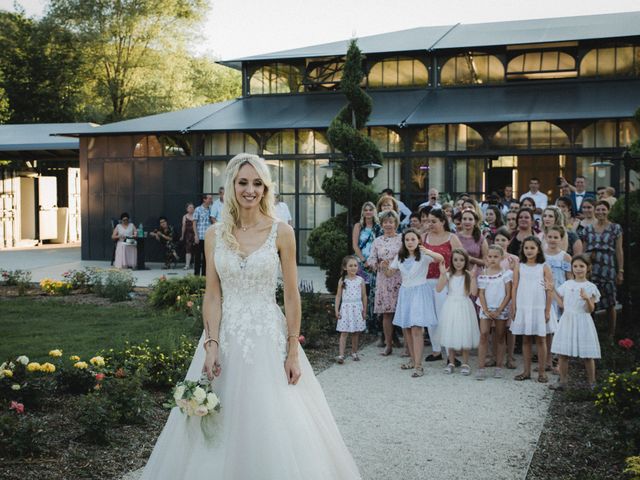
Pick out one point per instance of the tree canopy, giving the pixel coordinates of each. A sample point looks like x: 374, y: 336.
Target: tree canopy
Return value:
x: 106, y: 60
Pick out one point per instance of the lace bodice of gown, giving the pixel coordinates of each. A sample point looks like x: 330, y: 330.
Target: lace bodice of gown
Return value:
x: 249, y: 308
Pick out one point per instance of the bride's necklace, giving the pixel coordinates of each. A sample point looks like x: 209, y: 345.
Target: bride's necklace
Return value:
x: 249, y: 227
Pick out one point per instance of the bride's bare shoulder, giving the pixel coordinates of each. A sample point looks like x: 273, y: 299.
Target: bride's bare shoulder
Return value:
x: 286, y: 235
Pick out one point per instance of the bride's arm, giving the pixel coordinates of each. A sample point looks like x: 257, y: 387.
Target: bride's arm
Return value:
x: 286, y: 243
x: 211, y: 309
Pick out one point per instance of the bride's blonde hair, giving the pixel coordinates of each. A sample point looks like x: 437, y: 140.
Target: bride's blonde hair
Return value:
x: 231, y: 208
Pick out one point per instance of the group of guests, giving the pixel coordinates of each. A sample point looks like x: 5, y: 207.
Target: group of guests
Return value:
x: 194, y: 225
x: 477, y: 275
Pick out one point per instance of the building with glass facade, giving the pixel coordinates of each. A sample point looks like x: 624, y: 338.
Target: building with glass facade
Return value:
x: 462, y: 108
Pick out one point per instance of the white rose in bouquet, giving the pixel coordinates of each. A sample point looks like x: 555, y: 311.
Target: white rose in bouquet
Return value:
x: 212, y: 400
x: 23, y: 359
x: 178, y: 393
x: 199, y: 394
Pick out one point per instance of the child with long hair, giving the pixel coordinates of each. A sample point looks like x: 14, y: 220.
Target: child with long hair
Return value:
x: 508, y: 262
x: 458, y: 323
x: 576, y: 335
x: 531, y: 310
x: 351, y: 301
x: 416, y: 303
x: 559, y: 262
x: 494, y: 293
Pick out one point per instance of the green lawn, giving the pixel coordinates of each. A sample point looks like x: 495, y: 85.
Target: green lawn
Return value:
x: 33, y: 328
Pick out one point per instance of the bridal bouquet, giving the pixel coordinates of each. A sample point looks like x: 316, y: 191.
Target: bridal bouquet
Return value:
x: 195, y: 399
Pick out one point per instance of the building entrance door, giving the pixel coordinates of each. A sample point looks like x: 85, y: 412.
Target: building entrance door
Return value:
x: 546, y: 168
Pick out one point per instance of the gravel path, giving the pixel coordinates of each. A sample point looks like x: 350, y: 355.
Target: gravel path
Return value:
x: 438, y: 426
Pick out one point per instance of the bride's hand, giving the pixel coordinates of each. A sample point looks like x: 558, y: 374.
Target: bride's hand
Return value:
x: 211, y: 364
x: 292, y: 369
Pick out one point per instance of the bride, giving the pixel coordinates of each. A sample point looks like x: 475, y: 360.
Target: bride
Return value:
x: 275, y: 422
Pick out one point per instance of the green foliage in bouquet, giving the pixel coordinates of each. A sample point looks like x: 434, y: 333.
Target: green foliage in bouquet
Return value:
x: 328, y: 242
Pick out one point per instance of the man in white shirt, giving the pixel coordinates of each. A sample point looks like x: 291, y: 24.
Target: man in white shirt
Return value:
x: 216, y: 208
x: 432, y: 199
x: 281, y: 209
x: 534, y: 192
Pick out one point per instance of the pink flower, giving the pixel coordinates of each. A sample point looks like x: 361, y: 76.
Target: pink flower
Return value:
x: 18, y: 407
x: 626, y: 343
x: 100, y: 377
x: 301, y: 339
x: 189, y: 304
x: 120, y: 373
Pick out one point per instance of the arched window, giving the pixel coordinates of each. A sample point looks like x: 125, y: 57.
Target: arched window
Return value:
x: 472, y: 68
x: 440, y: 138
x: 385, y: 139
x: 398, y: 72
x: 542, y: 65
x: 275, y: 78
x: 283, y: 142
x: 522, y: 135
x: 608, y: 134
x: 324, y: 74
x: 611, y: 61
x: 240, y: 142
x: 313, y: 142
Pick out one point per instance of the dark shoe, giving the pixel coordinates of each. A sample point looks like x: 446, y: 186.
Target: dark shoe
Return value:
x: 457, y: 363
x: 433, y: 358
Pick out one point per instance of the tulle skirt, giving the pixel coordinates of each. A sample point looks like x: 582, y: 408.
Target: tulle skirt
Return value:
x: 265, y: 430
x: 416, y: 307
x: 458, y: 327
x: 576, y: 336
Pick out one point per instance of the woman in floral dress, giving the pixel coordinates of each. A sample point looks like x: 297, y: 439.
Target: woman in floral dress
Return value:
x: 383, y: 251
x: 364, y: 233
x: 603, y: 241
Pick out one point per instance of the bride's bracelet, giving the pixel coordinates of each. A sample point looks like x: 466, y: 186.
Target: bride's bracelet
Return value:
x: 296, y: 336
x: 209, y: 340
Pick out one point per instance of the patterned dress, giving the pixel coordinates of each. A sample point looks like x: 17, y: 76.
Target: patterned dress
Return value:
x: 385, y: 248
x: 351, y: 306
x: 189, y: 235
x: 365, y: 242
x: 602, y: 248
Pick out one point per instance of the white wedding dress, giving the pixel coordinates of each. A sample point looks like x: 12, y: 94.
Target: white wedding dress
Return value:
x: 266, y: 429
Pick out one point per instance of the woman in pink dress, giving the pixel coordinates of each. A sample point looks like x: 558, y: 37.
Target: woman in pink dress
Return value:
x: 126, y: 253
x: 383, y: 251
x: 472, y: 239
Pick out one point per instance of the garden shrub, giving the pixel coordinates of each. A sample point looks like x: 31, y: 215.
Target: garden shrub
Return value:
x: 179, y: 293
x: 317, y: 319
x: 17, y: 278
x: 29, y: 387
x: 80, y: 279
x: 130, y: 403
x: 617, y: 216
x: 328, y: 246
x: 20, y: 435
x: 618, y: 402
x: 620, y: 356
x: 96, y: 417
x: 116, y: 285
x: 75, y: 380
x: 633, y: 468
x: 160, y: 368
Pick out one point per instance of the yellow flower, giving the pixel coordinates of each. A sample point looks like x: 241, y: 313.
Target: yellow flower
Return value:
x: 48, y: 367
x: 34, y: 367
x: 74, y: 358
x: 81, y: 365
x: 7, y: 373
x: 97, y: 361
x: 55, y: 353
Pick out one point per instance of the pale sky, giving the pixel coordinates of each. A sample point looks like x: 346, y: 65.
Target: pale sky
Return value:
x: 237, y: 28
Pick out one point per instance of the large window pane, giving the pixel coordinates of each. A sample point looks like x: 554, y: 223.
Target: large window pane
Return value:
x: 290, y: 200
x: 215, y: 144
x: 275, y: 78
x: 397, y: 72
x: 437, y: 138
x: 389, y: 175
x: 460, y: 176
x: 213, y: 177
x: 628, y: 132
x: 281, y: 143
x: 307, y: 211
x: 472, y: 68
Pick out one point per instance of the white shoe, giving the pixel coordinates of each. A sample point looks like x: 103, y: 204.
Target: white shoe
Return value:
x: 449, y: 368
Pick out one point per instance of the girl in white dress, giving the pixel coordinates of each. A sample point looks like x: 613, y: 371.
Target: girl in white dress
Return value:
x: 508, y: 262
x: 416, y: 303
x: 494, y: 293
x: 531, y: 310
x: 559, y: 262
x: 576, y: 335
x: 275, y: 422
x: 351, y: 301
x: 458, y: 322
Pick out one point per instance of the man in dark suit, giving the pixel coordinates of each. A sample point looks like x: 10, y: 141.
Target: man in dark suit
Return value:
x: 578, y: 192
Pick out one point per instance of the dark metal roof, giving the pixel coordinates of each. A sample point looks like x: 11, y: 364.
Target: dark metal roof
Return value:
x: 562, y: 29
x: 170, y: 122
x: 37, y: 137
x: 314, y: 110
x: 529, y: 102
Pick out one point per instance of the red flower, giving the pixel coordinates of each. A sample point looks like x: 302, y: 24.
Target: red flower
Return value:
x: 626, y: 343
x: 99, y: 377
x: 18, y: 407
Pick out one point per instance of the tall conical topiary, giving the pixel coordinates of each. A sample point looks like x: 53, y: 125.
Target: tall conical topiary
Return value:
x: 329, y: 242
